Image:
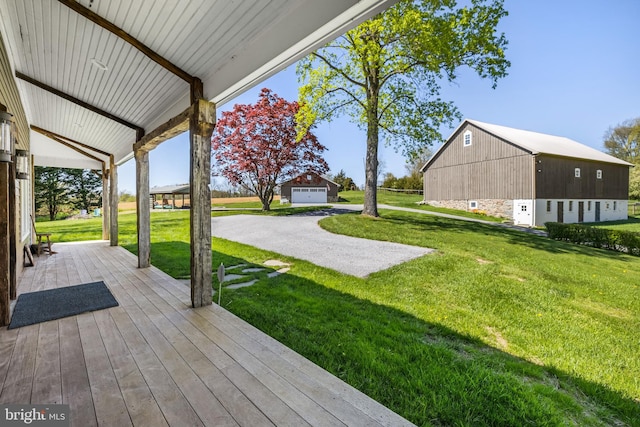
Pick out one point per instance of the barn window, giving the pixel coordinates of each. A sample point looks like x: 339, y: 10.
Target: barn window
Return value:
x: 589, y: 205
x: 473, y: 205
x: 599, y: 174
x: 615, y: 205
x: 570, y: 205
x: 548, y: 205
x: 467, y: 138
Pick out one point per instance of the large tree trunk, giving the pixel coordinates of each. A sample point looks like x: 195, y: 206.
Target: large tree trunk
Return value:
x: 371, y: 174
x: 266, y: 200
x: 371, y: 163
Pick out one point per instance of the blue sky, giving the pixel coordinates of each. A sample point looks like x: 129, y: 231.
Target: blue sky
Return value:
x: 575, y: 71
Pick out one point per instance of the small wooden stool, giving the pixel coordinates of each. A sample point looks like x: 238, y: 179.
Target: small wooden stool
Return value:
x: 44, y: 246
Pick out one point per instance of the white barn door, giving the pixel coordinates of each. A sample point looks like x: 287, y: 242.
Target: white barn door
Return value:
x: 523, y: 212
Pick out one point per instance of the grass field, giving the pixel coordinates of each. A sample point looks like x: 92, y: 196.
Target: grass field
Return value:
x: 632, y: 224
x: 496, y: 328
x: 409, y: 201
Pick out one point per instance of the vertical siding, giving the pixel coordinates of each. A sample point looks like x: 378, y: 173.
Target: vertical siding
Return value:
x: 490, y: 168
x: 556, y: 179
x: 10, y: 97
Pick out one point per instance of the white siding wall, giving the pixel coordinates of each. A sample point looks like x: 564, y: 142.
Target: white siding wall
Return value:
x: 607, y: 211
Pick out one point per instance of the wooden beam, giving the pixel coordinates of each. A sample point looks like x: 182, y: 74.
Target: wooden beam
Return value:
x: 105, y: 203
x: 174, y: 126
x: 99, y: 20
x: 66, y: 138
x: 142, y: 208
x: 78, y: 102
x: 113, y: 202
x: 13, y: 241
x: 196, y: 90
x: 66, y: 144
x: 201, y: 124
x: 5, y: 278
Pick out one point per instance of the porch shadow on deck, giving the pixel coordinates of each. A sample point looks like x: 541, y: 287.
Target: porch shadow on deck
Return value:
x: 155, y: 361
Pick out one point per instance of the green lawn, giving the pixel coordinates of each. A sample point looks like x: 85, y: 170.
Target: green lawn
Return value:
x: 409, y: 201
x: 631, y: 224
x: 496, y: 328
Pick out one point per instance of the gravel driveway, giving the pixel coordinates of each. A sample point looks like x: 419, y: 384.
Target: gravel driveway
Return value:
x: 301, y: 237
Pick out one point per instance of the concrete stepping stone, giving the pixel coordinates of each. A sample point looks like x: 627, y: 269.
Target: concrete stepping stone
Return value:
x: 275, y: 263
x: 231, y: 267
x: 252, y: 270
x: 241, y: 285
x: 277, y: 273
x: 230, y: 277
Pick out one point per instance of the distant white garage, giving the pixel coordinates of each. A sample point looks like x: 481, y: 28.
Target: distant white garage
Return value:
x: 308, y: 195
x: 309, y: 188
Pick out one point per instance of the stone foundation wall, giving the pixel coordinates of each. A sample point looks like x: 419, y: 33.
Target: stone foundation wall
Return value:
x: 494, y: 207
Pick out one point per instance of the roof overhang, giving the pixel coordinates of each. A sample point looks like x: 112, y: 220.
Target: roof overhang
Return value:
x: 230, y: 45
x: 534, y: 143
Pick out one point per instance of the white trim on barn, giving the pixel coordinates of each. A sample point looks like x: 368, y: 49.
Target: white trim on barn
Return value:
x: 308, y: 195
x: 592, y: 210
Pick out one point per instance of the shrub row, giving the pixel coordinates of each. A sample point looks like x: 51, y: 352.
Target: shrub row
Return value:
x: 616, y: 240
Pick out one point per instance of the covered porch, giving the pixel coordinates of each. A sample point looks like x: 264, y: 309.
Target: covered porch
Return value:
x: 92, y: 85
x: 154, y: 360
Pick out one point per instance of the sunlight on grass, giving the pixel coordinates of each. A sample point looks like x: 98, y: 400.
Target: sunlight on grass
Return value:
x: 410, y: 201
x: 495, y: 328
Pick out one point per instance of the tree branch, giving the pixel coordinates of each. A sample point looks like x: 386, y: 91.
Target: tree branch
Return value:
x: 338, y: 70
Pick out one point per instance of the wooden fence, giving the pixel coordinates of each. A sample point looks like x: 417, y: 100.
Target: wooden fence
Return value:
x: 399, y: 190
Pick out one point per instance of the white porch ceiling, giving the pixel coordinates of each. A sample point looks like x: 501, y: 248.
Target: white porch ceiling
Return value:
x: 231, y: 45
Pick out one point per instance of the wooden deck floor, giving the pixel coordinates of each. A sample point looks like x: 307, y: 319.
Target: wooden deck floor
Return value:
x: 154, y: 361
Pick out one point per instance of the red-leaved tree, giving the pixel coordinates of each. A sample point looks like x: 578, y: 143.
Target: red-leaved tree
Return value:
x: 255, y: 146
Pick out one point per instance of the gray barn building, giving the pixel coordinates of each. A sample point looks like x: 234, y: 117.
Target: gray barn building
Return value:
x: 528, y: 177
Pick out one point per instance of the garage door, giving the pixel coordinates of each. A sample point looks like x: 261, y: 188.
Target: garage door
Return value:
x: 308, y: 195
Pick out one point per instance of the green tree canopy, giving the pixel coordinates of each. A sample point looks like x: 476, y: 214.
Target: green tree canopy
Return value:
x: 634, y: 183
x: 56, y: 187
x: 386, y: 74
x: 85, y: 188
x: 623, y: 141
x: 50, y: 189
x: 344, y: 182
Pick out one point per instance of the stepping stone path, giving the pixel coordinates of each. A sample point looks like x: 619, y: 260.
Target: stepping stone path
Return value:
x: 284, y: 267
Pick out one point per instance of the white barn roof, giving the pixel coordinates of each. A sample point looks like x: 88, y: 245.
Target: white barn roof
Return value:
x: 538, y: 143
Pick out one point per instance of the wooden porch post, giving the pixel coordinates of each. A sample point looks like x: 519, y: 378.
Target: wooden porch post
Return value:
x: 113, y: 202
x: 13, y: 241
x: 105, y: 203
x: 201, y: 124
x: 5, y: 277
x: 142, y: 208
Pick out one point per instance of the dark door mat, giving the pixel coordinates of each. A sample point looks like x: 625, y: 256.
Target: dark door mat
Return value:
x: 41, y: 306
